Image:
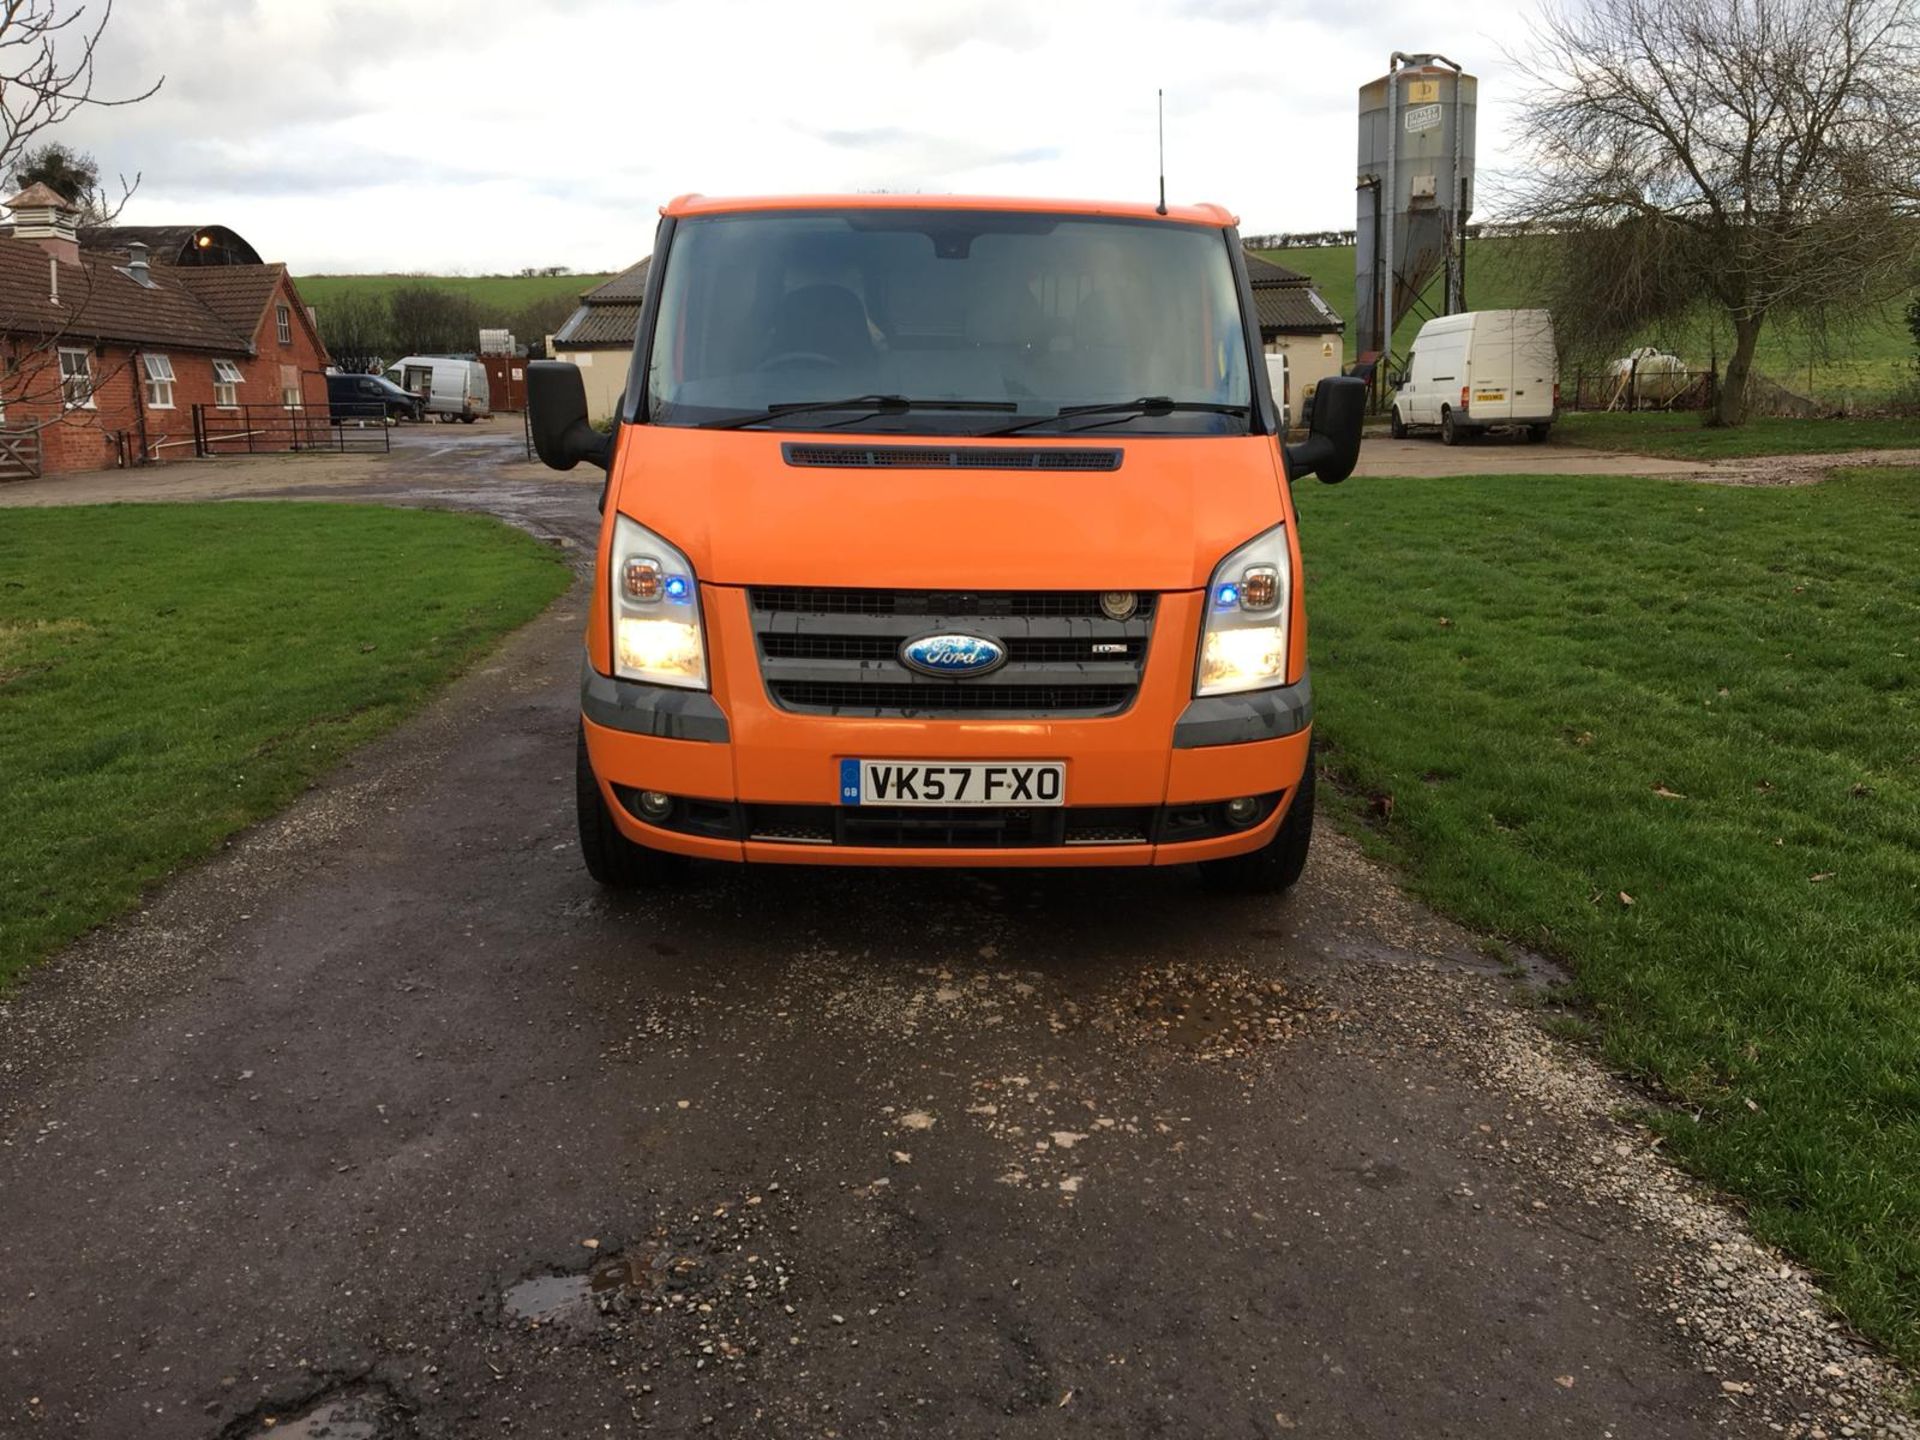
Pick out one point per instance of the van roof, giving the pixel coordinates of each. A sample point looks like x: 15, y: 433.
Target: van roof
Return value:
x: 1214, y: 215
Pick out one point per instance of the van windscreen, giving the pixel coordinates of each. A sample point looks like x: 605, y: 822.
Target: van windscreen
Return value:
x: 1024, y: 315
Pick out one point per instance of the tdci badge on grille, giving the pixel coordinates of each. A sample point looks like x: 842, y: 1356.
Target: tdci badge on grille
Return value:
x: 953, y: 654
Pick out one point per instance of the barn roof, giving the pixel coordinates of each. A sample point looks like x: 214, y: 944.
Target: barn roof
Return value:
x: 174, y: 244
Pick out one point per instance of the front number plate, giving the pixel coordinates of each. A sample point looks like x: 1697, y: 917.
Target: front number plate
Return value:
x: 948, y: 782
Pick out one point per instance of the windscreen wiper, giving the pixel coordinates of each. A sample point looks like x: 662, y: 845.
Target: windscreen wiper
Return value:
x: 870, y: 405
x: 1126, y: 410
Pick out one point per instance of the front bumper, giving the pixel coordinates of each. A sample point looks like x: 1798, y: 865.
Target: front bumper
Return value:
x: 1139, y: 777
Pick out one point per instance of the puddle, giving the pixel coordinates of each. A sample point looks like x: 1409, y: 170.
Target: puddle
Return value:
x: 551, y: 1300
x: 340, y: 1417
x: 614, y: 1282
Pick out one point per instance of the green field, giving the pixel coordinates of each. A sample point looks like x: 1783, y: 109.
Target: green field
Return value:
x: 1865, y: 365
x: 499, y: 295
x: 1682, y: 436
x: 225, y: 657
x: 1668, y: 733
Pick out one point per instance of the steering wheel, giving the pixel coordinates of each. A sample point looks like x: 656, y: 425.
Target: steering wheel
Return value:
x: 799, y: 360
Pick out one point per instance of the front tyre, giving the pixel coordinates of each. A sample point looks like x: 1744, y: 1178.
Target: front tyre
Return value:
x: 1274, y: 867
x: 1396, y: 427
x: 610, y: 857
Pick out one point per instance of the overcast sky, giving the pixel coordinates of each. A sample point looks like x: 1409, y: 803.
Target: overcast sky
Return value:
x: 487, y: 135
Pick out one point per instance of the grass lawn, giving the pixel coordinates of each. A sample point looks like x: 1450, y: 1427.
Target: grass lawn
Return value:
x: 1685, y: 438
x: 169, y: 673
x: 1703, y: 698
x: 1864, y: 364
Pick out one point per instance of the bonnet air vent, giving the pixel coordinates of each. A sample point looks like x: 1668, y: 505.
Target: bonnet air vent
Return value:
x: 932, y: 457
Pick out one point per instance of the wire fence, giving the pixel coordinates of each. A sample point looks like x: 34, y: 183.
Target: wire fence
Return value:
x: 1633, y: 387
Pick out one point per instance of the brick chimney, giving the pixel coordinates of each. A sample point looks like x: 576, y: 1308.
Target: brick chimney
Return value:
x: 46, y: 217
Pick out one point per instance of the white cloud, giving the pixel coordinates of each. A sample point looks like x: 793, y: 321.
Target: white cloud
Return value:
x: 482, y: 135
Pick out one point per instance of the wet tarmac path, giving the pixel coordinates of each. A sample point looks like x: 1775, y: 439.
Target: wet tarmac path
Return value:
x: 388, y: 1122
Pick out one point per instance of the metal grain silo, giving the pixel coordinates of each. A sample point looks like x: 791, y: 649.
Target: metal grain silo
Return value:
x: 1415, y: 191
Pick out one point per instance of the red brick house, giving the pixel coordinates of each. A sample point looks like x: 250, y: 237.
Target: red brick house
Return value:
x: 105, y: 348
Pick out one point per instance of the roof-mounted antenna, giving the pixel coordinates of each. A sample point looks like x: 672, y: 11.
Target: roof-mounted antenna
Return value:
x: 1160, y: 97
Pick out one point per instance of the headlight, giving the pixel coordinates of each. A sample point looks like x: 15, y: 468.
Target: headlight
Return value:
x: 656, y: 610
x: 1243, y: 639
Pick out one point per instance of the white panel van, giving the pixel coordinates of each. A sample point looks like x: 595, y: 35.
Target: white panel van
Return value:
x: 1484, y: 370
x: 1281, y: 382
x: 455, y: 389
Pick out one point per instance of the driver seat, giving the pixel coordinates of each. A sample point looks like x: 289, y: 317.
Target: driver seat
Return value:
x: 821, y: 320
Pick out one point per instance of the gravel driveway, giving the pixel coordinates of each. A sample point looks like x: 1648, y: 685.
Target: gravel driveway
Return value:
x: 387, y: 1122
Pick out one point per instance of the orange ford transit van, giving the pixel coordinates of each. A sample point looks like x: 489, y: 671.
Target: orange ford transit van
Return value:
x: 946, y: 532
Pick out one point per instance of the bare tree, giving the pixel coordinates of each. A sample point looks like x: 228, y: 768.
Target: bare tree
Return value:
x: 47, y: 56
x: 48, y: 51
x: 1761, y: 157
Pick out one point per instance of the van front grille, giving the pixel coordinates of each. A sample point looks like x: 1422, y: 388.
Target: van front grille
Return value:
x: 937, y: 696
x: 957, y: 457
x: 828, y: 650
x: 1032, y: 649
x: 949, y: 604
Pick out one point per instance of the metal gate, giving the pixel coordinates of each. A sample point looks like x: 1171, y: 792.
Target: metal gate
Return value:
x: 277, y: 429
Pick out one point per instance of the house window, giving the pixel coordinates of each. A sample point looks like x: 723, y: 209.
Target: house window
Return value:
x: 290, y: 386
x: 76, y: 379
x: 226, y: 384
x: 159, y: 381
x: 283, y: 323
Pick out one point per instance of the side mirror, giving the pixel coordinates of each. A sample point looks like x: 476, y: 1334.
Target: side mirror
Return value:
x: 1332, y: 446
x: 557, y: 415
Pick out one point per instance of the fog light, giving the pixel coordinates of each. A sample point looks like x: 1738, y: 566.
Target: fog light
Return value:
x: 1243, y: 810
x: 654, y: 805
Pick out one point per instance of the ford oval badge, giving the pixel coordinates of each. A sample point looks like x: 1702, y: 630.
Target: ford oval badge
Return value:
x: 953, y: 654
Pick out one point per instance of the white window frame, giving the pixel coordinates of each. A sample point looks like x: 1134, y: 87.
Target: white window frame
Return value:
x: 226, y: 385
x: 283, y: 323
x: 69, y: 377
x: 292, y: 392
x: 159, y: 381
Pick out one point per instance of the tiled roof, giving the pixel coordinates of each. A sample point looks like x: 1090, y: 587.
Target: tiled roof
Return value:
x: 594, y: 325
x: 629, y: 284
x: 238, y: 294
x: 609, y: 314
x: 1294, y: 308
x: 1261, y: 271
x: 99, y: 301
x: 1286, y: 301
